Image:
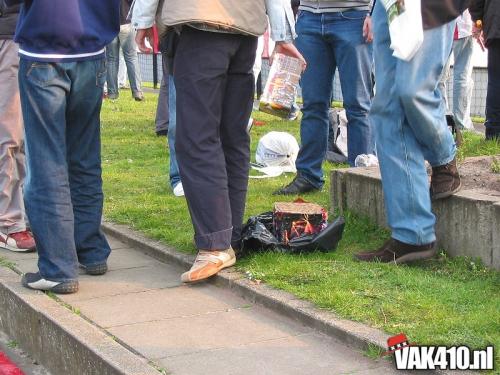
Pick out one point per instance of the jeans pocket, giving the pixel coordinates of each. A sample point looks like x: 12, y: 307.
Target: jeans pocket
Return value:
x: 354, y: 14
x: 100, y: 72
x: 41, y: 73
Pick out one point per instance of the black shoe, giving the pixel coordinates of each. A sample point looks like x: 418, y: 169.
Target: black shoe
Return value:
x: 492, y: 133
x: 162, y: 133
x: 96, y: 269
x: 398, y: 252
x: 297, y: 186
x: 36, y: 281
x: 445, y: 180
x: 139, y: 97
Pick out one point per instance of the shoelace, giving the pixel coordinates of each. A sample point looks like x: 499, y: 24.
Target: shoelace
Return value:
x: 206, y: 257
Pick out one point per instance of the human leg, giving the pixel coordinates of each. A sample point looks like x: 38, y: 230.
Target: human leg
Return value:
x: 174, y: 175
x: 43, y: 89
x: 129, y: 47
x: 463, y: 84
x: 355, y: 63
x: 316, y: 91
x: 112, y: 61
x: 492, y: 98
x: 84, y: 161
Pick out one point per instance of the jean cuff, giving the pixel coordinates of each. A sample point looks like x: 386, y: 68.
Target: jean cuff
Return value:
x: 214, y: 241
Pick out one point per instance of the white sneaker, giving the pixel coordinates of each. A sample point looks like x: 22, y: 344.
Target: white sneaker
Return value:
x: 179, y: 190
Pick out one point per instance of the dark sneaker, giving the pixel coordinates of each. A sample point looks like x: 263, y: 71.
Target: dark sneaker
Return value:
x: 492, y: 132
x: 445, y: 180
x: 297, y: 186
x: 139, y: 97
x: 36, y: 281
x: 22, y: 242
x: 398, y: 252
x: 96, y: 269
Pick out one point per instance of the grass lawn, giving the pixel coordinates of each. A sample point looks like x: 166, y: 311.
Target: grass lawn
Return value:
x: 443, y: 301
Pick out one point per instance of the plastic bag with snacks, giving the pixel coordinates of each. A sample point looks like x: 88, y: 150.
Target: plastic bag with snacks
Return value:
x: 281, y: 86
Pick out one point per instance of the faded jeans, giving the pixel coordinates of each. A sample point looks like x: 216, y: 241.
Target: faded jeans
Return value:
x: 408, y: 115
x: 125, y: 40
x: 61, y: 105
x: 462, y: 81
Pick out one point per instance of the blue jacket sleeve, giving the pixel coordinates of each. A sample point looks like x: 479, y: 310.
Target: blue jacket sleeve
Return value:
x: 281, y: 20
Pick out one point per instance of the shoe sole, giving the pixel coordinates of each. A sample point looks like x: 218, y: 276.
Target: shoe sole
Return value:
x: 62, y: 288
x: 227, y: 264
x: 446, y: 194
x: 97, y: 270
x: 412, y: 257
x: 17, y: 249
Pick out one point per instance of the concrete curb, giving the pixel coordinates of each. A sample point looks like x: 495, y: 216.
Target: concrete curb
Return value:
x: 63, y: 342
x: 354, y: 334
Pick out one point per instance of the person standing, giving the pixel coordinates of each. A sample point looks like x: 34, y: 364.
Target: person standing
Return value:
x: 410, y: 127
x: 488, y: 12
x: 126, y: 41
x: 332, y: 34
x: 13, y: 233
x: 463, y: 49
x: 214, y: 87
x: 61, y: 78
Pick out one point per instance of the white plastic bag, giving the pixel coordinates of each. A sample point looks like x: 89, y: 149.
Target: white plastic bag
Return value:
x: 405, y: 27
x: 364, y: 160
x: 278, y: 149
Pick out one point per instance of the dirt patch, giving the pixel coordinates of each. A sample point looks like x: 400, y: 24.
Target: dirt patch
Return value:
x: 477, y: 174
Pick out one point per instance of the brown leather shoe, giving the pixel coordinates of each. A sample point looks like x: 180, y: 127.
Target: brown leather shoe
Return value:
x: 398, y: 252
x: 445, y: 180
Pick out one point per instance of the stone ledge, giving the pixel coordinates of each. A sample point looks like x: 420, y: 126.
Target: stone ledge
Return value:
x: 63, y: 342
x: 467, y: 223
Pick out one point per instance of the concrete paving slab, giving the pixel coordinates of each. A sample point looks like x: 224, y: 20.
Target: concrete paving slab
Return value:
x: 311, y: 353
x: 154, y: 305
x: 185, y: 335
x: 116, y: 244
x: 13, y: 255
x: 128, y: 258
x: 125, y: 281
x: 27, y: 265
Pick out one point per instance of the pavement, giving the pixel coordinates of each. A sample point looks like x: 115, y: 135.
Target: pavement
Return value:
x: 197, y: 329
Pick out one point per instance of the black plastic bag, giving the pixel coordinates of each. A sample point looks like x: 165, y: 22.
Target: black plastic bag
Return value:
x: 257, y: 235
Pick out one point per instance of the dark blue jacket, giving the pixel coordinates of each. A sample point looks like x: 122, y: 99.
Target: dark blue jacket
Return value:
x: 66, y: 30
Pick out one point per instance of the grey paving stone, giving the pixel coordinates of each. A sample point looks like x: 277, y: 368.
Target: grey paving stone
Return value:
x: 185, y: 335
x: 13, y: 255
x: 159, y: 304
x: 129, y: 258
x: 116, y: 244
x: 311, y: 353
x: 27, y: 265
x: 125, y: 281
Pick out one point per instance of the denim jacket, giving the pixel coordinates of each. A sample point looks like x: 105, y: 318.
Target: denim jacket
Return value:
x: 280, y: 15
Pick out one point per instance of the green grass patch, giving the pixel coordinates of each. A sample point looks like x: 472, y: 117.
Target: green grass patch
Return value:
x: 443, y: 301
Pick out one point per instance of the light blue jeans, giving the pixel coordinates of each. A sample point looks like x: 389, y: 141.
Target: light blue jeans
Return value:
x: 462, y: 81
x: 175, y: 177
x: 125, y: 40
x: 328, y: 41
x: 408, y: 116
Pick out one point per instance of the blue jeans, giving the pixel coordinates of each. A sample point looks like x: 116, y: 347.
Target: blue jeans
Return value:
x: 328, y: 41
x: 175, y: 177
x: 408, y: 115
x: 61, y: 104
x: 462, y: 81
x: 125, y: 40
